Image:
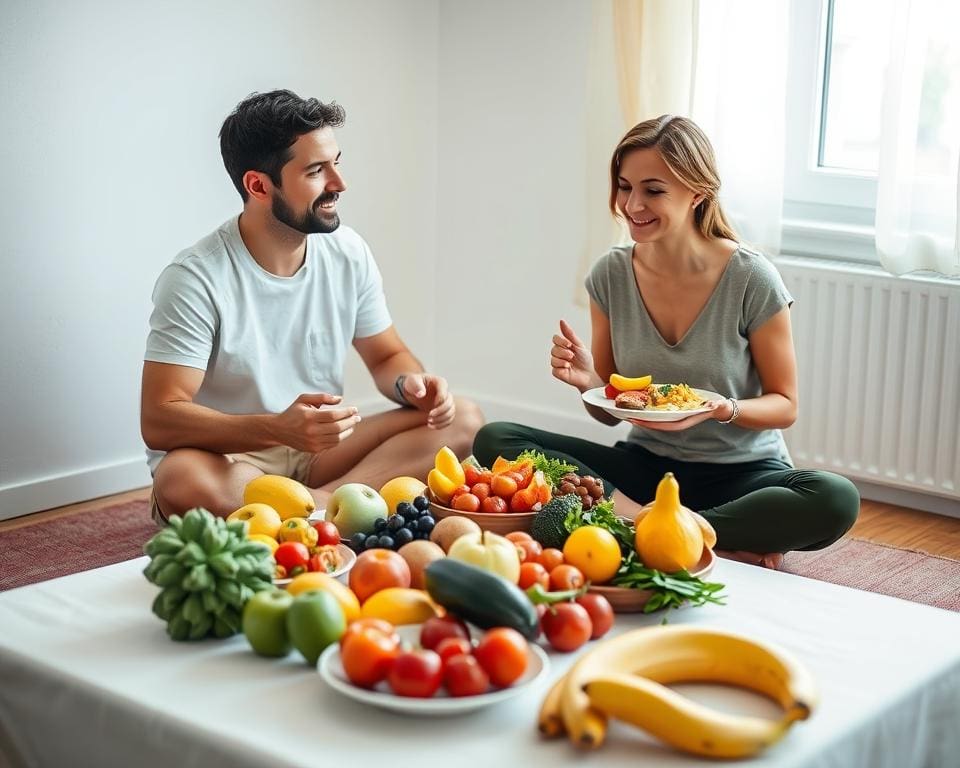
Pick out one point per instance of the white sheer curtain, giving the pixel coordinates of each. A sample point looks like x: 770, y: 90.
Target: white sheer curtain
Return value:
x: 722, y: 63
x: 918, y: 189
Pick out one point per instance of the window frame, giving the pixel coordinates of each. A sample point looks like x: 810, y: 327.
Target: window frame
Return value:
x: 826, y: 211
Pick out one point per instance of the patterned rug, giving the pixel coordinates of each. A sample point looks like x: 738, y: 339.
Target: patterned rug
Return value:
x: 73, y: 543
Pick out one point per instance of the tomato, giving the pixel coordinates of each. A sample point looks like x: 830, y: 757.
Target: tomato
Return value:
x: 493, y: 505
x: 481, y: 491
x: 292, y: 554
x: 438, y: 628
x: 567, y: 626
x: 471, y: 472
x: 600, y: 611
x: 515, y: 476
x: 327, y: 533
x: 533, y: 573
x: 380, y: 625
x: 518, y: 536
x: 611, y: 391
x: 503, y: 654
x: 466, y: 502
x: 565, y: 577
x: 523, y: 500
x: 460, y: 489
x: 531, y: 550
x: 463, y: 676
x: 486, y: 476
x: 453, y: 646
x: 368, y: 655
x: 503, y: 486
x: 416, y: 673
x: 550, y: 558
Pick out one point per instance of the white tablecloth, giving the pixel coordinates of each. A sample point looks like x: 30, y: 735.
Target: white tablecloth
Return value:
x: 89, y: 677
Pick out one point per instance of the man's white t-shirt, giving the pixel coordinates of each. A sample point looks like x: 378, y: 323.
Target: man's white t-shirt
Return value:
x: 264, y: 340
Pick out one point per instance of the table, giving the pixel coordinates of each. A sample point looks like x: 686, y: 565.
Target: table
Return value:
x: 89, y: 677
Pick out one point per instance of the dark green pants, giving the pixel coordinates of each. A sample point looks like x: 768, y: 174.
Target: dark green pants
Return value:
x: 757, y: 506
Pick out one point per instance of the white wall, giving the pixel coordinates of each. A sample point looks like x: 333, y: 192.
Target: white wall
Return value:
x: 109, y: 113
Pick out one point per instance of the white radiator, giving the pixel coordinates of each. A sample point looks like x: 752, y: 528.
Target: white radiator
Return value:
x: 879, y: 365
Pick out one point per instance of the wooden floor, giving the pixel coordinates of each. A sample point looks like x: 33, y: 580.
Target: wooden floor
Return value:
x: 879, y: 522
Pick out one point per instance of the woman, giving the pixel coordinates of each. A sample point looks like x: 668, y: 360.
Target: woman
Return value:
x: 687, y: 303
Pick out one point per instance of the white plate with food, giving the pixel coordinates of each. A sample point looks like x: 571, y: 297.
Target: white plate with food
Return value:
x: 687, y: 407
x: 441, y: 703
x: 347, y: 558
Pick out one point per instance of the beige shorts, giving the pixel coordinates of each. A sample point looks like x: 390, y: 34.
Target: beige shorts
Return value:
x: 279, y: 460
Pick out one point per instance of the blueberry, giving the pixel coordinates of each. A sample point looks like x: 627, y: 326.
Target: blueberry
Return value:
x: 371, y: 542
x: 422, y: 503
x: 395, y: 523
x: 403, y: 536
x: 357, y: 542
x: 386, y: 542
x: 426, y: 523
x: 380, y: 525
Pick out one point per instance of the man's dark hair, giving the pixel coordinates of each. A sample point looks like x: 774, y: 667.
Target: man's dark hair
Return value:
x: 258, y: 134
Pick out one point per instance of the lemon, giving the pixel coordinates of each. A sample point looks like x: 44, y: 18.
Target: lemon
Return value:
x: 342, y: 593
x: 264, y: 539
x: 401, y: 489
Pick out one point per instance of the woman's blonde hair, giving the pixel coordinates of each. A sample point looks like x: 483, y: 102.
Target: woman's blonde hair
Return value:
x: 687, y: 152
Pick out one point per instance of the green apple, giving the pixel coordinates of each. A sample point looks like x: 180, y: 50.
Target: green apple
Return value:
x: 265, y: 622
x: 354, y: 507
x: 314, y: 621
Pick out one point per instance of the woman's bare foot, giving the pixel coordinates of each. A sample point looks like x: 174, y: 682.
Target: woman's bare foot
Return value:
x: 772, y: 560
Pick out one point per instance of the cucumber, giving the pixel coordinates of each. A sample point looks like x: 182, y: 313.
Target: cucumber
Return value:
x: 480, y: 597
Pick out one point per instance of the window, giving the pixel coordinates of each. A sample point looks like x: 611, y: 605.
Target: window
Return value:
x: 839, y: 51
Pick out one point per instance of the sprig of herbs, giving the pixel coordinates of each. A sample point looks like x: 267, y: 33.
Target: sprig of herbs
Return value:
x: 553, y: 469
x: 602, y: 515
x: 670, y: 590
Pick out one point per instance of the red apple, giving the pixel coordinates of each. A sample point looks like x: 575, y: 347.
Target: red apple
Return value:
x: 378, y: 569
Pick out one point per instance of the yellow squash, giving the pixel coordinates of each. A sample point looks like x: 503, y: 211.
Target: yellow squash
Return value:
x: 668, y: 537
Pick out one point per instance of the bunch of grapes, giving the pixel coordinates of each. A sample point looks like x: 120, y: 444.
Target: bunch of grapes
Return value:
x: 411, y: 521
x: 589, y: 489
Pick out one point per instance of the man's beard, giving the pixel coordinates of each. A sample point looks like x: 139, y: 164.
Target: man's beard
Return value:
x: 313, y: 221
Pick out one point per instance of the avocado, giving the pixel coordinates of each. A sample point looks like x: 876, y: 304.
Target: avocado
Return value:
x: 548, y: 527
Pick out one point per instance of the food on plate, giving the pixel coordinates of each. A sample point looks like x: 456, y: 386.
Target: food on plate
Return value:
x: 625, y: 384
x: 636, y: 400
x: 654, y: 397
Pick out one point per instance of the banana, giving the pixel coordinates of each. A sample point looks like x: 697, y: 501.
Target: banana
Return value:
x: 550, y: 720
x: 680, y: 722
x: 681, y: 654
x: 625, y: 384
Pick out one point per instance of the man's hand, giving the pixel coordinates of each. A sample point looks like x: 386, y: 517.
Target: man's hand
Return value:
x: 429, y: 393
x: 306, y: 426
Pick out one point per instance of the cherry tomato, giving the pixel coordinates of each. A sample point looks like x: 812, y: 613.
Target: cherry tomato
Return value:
x: 292, y: 554
x: 481, y: 491
x: 517, y: 536
x: 565, y: 577
x: 466, y: 502
x: 471, y: 472
x: 493, y: 505
x: 503, y: 486
x: 327, y: 533
x: 463, y: 676
x: 453, y: 646
x: 550, y: 558
x: 368, y: 655
x: 415, y: 673
x: 503, y: 654
x: 380, y: 625
x: 460, y: 489
x: 611, y: 391
x: 600, y: 611
x: 486, y: 476
x: 533, y: 573
x: 567, y: 626
x: 438, y: 628
x: 531, y: 549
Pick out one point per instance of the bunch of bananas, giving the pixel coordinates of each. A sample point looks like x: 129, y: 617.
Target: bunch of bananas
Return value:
x: 626, y: 677
x: 208, y: 569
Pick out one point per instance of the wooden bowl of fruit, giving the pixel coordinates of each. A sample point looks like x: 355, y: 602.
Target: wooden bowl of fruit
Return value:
x: 498, y: 520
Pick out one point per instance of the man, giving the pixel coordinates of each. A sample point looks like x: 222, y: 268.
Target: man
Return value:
x: 243, y: 369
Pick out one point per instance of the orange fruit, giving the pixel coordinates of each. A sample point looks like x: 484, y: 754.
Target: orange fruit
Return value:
x: 595, y: 552
x: 401, y: 489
